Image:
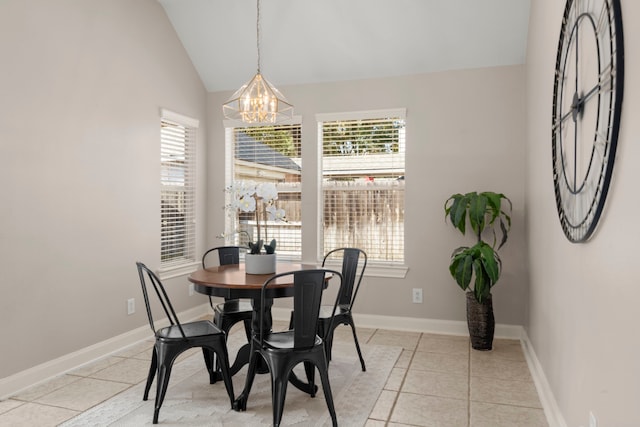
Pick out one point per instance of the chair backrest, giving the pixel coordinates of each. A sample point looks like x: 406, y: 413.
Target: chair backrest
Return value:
x: 350, y: 260
x: 308, y: 287
x: 156, y: 284
x: 226, y: 255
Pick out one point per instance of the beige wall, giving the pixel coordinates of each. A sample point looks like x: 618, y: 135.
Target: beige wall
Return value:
x: 583, y: 298
x: 465, y: 132
x: 81, y: 85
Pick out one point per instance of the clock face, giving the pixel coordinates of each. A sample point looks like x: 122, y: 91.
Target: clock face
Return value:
x: 587, y: 99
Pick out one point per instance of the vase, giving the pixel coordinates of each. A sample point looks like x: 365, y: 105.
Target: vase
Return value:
x: 481, y: 322
x: 260, y: 263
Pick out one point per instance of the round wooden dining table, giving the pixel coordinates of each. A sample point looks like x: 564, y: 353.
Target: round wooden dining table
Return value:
x: 232, y: 281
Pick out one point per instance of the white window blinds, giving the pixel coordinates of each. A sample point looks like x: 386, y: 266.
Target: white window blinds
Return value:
x: 363, y: 182
x: 178, y: 185
x: 267, y: 154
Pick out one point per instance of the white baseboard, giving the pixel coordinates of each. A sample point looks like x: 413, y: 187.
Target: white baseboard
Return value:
x: 547, y: 399
x: 20, y: 381
x: 14, y: 384
x: 448, y: 327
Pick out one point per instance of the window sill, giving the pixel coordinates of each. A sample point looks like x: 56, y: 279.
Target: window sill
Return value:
x: 170, y: 272
x: 389, y: 271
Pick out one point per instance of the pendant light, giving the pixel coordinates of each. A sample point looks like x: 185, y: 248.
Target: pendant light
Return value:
x: 258, y: 101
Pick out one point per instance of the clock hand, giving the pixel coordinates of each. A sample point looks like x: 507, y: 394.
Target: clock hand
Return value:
x: 577, y: 104
x: 573, y: 110
x: 588, y: 94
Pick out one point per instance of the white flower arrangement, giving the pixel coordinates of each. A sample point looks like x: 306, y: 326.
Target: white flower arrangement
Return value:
x: 249, y: 196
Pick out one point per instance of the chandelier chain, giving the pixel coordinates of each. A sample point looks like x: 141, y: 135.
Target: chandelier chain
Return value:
x: 258, y: 33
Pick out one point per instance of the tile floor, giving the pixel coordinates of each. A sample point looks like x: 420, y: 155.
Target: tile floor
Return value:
x: 437, y: 381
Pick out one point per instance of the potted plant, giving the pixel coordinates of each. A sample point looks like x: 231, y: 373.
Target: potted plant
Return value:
x: 477, y: 268
x: 257, y: 198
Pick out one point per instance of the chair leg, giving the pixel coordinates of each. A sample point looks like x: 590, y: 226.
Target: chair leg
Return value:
x: 279, y: 380
x: 328, y: 346
x: 164, y: 372
x: 328, y: 396
x: 209, y: 361
x: 310, y: 370
x: 222, y: 355
x: 152, y: 374
x: 355, y: 338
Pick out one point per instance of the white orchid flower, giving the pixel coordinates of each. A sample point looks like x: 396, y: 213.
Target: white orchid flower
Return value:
x: 247, y: 204
x: 267, y: 191
x: 275, y: 214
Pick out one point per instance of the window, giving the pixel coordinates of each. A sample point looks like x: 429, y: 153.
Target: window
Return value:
x: 178, y: 185
x: 363, y: 182
x: 267, y: 154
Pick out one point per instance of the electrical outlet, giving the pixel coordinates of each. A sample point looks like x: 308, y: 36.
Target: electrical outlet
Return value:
x: 593, y: 422
x: 131, y: 306
x: 417, y: 295
x: 191, y: 289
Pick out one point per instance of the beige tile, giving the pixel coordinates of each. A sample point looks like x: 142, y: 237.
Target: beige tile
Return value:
x: 504, y: 349
x: 407, y: 340
x: 188, y: 353
x: 374, y: 423
x: 437, y: 384
x: 7, y: 405
x: 429, y: 411
x: 144, y: 355
x: 33, y: 414
x: 47, y: 387
x: 449, y: 344
x: 394, y: 382
x: 495, y: 367
x: 137, y: 348
x: 491, y: 390
x: 92, y: 368
x: 451, y: 363
x: 343, y: 333
x: 491, y: 415
x: 383, y: 405
x: 397, y: 425
x: 130, y: 371
x: 405, y: 359
x: 83, y: 394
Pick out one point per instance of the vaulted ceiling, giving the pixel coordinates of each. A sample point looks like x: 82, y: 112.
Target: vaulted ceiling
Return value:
x: 312, y: 41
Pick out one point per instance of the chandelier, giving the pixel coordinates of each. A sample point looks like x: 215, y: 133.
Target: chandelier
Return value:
x: 257, y: 101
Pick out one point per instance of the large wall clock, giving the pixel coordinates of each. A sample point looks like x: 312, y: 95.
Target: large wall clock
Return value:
x: 587, y: 101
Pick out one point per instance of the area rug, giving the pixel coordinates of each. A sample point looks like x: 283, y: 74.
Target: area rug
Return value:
x: 192, y: 401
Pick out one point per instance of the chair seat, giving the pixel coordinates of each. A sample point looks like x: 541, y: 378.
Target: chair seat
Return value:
x: 193, y: 329
x: 283, y: 340
x: 234, y: 306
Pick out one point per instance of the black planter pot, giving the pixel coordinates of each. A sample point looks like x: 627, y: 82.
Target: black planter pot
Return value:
x: 481, y: 322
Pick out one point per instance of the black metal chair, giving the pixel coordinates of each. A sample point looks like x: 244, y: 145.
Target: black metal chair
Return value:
x: 282, y: 351
x: 228, y: 313
x: 343, y: 315
x: 178, y: 337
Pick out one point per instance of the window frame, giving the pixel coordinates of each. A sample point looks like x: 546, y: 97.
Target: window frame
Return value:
x: 230, y: 127
x: 375, y: 268
x: 175, y: 268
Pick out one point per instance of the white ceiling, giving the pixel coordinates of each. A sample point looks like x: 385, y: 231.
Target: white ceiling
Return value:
x: 311, y: 41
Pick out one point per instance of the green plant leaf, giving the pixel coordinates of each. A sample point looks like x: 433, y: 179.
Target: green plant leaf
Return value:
x: 461, y: 268
x: 458, y: 212
x: 271, y: 247
x: 480, y: 284
x: 490, y: 263
x: 477, y: 209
